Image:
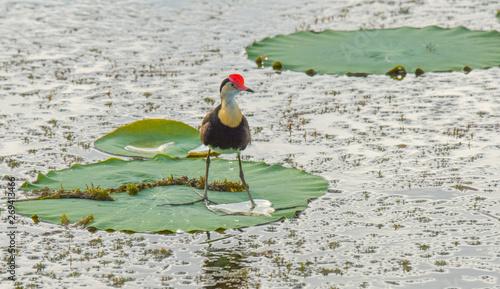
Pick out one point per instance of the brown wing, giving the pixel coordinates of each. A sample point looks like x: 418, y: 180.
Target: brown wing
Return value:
x: 205, y: 119
x: 206, y: 124
x: 247, y: 138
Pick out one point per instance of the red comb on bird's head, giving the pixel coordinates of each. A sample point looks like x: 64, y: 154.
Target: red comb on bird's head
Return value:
x: 238, y: 80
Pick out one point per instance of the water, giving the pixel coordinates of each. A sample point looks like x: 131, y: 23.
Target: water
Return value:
x: 412, y: 165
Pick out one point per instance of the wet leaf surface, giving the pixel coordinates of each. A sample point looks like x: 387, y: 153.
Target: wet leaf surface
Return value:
x: 287, y: 189
x: 369, y: 51
x: 149, y: 137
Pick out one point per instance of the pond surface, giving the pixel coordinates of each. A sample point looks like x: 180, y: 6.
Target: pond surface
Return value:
x: 412, y: 165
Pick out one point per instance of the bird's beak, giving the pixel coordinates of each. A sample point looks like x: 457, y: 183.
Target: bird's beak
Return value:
x: 249, y: 90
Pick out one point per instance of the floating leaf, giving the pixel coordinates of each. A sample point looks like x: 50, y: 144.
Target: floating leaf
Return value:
x: 35, y: 219
x: 277, y: 65
x: 365, y: 52
x: 397, y: 72
x: 311, y: 72
x: 419, y: 72
x: 260, y: 61
x: 287, y: 189
x: 148, y: 137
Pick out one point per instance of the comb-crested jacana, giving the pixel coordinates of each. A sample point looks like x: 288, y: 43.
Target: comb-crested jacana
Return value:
x: 225, y: 129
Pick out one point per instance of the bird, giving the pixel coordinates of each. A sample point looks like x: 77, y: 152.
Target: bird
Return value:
x: 225, y: 129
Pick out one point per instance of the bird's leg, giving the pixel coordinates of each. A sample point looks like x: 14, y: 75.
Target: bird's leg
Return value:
x: 205, y: 194
x: 204, y: 198
x: 242, y: 177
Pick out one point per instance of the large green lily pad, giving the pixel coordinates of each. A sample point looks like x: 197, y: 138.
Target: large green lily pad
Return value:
x: 178, y: 138
x: 284, y: 187
x: 377, y: 51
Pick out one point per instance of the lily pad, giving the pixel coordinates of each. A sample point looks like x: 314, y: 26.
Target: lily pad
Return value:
x: 148, y: 137
x: 287, y: 189
x: 364, y: 52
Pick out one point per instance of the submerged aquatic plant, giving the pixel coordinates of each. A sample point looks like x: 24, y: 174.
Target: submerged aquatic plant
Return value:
x: 92, y: 193
x: 132, y: 189
x: 85, y: 221
x: 64, y: 220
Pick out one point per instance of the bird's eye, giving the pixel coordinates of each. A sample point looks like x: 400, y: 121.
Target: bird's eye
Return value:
x: 233, y: 85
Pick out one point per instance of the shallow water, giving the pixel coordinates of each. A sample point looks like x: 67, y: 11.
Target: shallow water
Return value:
x: 412, y: 165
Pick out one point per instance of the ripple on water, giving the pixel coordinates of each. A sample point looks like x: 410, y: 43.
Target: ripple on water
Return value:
x: 394, y: 152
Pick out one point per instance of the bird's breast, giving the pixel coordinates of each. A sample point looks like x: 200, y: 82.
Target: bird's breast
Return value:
x: 230, y: 117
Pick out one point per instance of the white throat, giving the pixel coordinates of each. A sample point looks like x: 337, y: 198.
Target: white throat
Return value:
x: 230, y: 96
x: 229, y: 101
x: 230, y: 113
